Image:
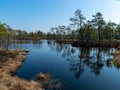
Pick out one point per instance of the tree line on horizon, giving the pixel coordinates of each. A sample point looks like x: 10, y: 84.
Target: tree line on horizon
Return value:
x: 79, y: 29
x: 7, y: 32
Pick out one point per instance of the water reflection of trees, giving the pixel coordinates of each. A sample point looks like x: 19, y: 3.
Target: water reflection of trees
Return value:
x: 83, y: 57
x: 66, y: 50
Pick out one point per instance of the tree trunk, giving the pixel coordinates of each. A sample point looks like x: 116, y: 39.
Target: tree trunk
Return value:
x: 99, y: 35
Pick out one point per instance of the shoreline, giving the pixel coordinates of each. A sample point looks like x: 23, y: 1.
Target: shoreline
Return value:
x: 116, y: 58
x: 9, y: 66
x: 103, y: 43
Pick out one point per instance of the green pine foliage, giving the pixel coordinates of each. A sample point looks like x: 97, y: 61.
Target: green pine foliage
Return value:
x: 3, y: 31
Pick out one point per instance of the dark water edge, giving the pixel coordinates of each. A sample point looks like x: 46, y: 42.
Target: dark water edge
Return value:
x: 78, y: 68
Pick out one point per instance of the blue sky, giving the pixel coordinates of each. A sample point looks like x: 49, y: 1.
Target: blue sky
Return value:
x: 32, y: 15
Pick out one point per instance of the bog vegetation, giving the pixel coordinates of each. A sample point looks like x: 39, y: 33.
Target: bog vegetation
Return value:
x: 80, y: 31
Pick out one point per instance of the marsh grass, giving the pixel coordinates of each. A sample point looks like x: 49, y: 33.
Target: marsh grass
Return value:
x: 10, y: 61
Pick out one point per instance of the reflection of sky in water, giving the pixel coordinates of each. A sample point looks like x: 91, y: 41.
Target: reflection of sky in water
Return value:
x: 77, y: 68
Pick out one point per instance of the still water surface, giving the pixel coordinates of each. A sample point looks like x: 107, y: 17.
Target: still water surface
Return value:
x: 77, y: 68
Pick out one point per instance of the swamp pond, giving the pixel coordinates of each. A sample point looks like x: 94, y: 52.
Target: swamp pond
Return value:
x: 77, y: 68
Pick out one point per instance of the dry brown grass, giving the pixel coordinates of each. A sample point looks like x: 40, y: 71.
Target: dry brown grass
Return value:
x: 10, y: 61
x: 116, y: 58
x: 48, y: 83
x: 15, y: 83
x: 43, y: 77
x: 115, y: 53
